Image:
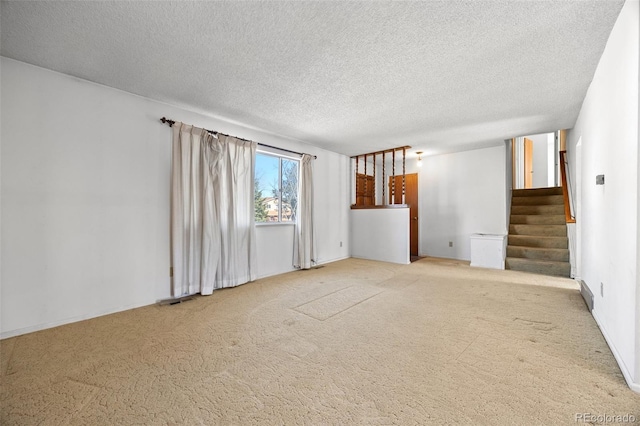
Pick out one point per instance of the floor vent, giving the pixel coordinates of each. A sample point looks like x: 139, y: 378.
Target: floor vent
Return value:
x: 586, y: 295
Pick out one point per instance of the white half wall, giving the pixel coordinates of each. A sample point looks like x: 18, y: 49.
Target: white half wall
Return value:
x: 608, y: 224
x: 380, y: 234
x: 85, y: 199
x: 461, y: 194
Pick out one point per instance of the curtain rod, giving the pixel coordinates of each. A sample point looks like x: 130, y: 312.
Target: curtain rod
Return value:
x: 170, y: 123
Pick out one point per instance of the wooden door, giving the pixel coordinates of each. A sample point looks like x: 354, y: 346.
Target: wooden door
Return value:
x: 528, y: 163
x: 365, y: 190
x: 411, y: 199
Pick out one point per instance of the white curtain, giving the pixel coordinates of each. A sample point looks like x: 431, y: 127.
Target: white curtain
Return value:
x: 304, y: 251
x: 213, y: 241
x: 233, y: 192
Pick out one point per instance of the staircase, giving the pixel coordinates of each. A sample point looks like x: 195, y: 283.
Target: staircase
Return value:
x: 538, y: 240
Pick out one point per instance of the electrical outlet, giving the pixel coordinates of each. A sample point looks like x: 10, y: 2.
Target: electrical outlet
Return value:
x: 450, y: 243
x: 340, y: 243
x: 602, y: 289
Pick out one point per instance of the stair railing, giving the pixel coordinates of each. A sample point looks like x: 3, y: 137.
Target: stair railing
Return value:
x: 564, y: 167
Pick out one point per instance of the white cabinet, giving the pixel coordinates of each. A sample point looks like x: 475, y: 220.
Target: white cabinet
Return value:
x: 488, y: 250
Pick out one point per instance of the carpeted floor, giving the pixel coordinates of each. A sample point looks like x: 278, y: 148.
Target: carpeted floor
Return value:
x: 355, y: 342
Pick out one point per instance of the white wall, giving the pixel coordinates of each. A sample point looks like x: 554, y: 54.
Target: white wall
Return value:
x: 608, y: 217
x: 85, y: 199
x: 543, y: 161
x: 552, y: 163
x: 461, y: 194
x: 508, y: 179
x: 540, y: 160
x: 380, y: 234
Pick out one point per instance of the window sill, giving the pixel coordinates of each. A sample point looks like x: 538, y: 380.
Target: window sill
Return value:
x: 260, y: 224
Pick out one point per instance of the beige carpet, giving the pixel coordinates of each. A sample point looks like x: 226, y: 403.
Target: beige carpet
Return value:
x: 355, y: 342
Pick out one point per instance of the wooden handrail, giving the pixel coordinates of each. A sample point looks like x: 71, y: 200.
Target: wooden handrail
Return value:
x: 565, y: 189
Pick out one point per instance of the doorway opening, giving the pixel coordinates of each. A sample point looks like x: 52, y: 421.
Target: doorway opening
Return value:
x: 536, y: 161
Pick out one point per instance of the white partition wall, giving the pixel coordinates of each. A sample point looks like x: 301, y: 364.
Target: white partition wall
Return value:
x: 380, y: 234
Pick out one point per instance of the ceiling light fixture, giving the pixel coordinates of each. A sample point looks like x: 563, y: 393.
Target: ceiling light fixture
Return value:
x: 419, y: 158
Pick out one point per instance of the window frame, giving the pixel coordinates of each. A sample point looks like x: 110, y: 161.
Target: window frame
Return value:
x: 280, y: 157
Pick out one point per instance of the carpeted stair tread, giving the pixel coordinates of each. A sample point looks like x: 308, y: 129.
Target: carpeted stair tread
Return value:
x: 538, y: 219
x: 539, y: 200
x: 538, y: 253
x: 539, y: 230
x: 538, y: 241
x: 545, y: 267
x: 549, y: 209
x: 557, y: 190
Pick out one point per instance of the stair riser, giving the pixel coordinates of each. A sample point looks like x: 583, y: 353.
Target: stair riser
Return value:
x: 538, y: 200
x: 541, y: 210
x: 559, y: 269
x: 539, y: 230
x: 544, y: 242
x: 538, y: 219
x: 556, y: 255
x: 537, y: 192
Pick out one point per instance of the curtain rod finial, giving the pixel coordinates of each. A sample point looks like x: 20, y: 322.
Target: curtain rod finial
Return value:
x: 169, y: 122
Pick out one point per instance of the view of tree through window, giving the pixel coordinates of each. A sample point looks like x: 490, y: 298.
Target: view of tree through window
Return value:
x: 276, y: 188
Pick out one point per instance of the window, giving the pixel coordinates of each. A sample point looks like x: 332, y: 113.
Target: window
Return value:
x: 276, y: 188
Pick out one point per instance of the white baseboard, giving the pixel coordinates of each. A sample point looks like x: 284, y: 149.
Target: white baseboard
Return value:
x: 275, y: 273
x: 337, y: 259
x: 46, y: 325
x: 321, y: 262
x: 625, y: 372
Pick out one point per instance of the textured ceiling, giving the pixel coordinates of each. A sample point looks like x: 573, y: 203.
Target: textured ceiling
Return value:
x: 351, y: 77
